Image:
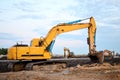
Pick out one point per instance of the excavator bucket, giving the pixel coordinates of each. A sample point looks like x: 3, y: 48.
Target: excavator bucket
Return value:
x: 98, y: 57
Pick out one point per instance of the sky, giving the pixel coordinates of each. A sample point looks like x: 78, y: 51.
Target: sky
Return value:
x: 23, y: 20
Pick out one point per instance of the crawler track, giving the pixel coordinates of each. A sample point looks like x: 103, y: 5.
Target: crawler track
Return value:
x: 16, y: 65
x: 69, y: 62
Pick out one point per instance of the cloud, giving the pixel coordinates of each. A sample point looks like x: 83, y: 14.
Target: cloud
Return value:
x: 24, y: 6
x: 0, y: 11
x: 77, y: 46
x: 23, y: 30
x: 70, y: 42
x: 7, y: 36
x: 6, y: 43
x: 38, y: 8
x: 32, y: 16
x: 7, y: 40
x: 110, y: 23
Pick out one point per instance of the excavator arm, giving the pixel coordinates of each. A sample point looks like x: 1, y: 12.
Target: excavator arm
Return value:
x: 71, y: 26
x: 94, y: 55
x: 92, y: 36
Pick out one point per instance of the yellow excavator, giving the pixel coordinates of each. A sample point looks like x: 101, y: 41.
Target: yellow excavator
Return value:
x: 41, y: 48
x: 68, y: 53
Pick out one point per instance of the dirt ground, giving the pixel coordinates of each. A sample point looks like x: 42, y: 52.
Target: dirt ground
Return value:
x: 94, y: 71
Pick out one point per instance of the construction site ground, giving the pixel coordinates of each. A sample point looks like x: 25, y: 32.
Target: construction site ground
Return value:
x: 105, y: 71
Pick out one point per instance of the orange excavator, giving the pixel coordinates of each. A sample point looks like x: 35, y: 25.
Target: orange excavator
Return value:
x: 41, y: 48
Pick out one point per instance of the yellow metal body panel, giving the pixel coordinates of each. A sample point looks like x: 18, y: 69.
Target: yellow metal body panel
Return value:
x: 91, y: 36
x: 28, y: 53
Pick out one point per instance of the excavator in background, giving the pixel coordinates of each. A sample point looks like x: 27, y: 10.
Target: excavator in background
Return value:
x: 68, y: 53
x: 40, y: 49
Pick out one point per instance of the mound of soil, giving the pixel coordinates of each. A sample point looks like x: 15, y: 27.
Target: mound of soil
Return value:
x: 94, y: 71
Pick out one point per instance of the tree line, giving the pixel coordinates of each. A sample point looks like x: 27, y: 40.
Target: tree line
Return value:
x: 3, y: 51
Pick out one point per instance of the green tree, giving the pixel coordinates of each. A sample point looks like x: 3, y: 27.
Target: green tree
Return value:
x: 3, y: 51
